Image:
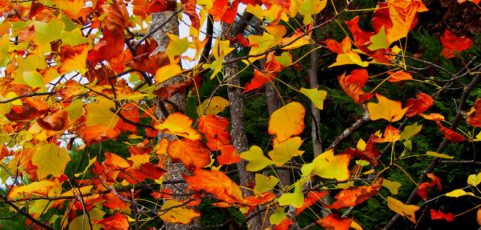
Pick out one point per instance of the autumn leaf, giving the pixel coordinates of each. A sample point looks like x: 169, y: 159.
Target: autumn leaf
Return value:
x: 356, y: 195
x: 284, y: 151
x: 402, y: 209
x: 473, y: 117
x: 400, y: 75
x: 73, y: 58
x: 57, y: 121
x: 29, y: 109
x: 212, y: 105
x: 334, y: 222
x: 450, y: 134
x: 422, y: 190
x: 174, y: 211
x: 265, y: 183
x: 50, y: 160
x: 215, y: 130
x: 369, y: 152
x: 316, y: 96
x: 180, y: 125
x: 352, y: 84
x: 329, y: 166
x: 287, y: 121
x: 40, y: 188
x: 116, y: 221
x: 312, y: 198
x: 256, y: 159
x: 190, y: 153
x: 420, y: 104
x: 345, y: 55
x: 453, y: 44
x: 439, y: 215
x: 391, y: 134
x: 386, y: 109
x: 215, y: 183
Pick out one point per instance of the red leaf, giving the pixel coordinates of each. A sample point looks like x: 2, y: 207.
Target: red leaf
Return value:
x: 112, y: 201
x: 312, y: 198
x: 215, y: 183
x: 474, y: 115
x: 423, y: 187
x: 352, y: 84
x: 355, y: 195
x: 439, y: 215
x: 117, y: 221
x: 334, y: 222
x: 189, y: 9
x: 284, y: 225
x: 370, y: 153
x: 453, y: 44
x: 228, y: 155
x: 215, y: 130
x: 271, y: 69
x: 449, y: 134
x: 421, y: 103
x: 110, y: 46
x: 260, y: 199
x: 56, y: 121
x: 31, y: 108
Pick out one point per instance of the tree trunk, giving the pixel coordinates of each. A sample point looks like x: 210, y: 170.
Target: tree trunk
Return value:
x: 174, y: 170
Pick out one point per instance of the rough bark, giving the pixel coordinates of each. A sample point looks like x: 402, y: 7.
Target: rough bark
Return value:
x: 174, y: 170
x: 238, y: 132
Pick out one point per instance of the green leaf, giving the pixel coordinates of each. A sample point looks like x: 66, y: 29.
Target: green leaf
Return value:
x: 392, y: 186
x: 265, y: 183
x: 379, y: 41
x: 256, y: 159
x: 439, y: 155
x: 278, y: 216
x: 317, y: 96
x: 296, y: 198
x: 410, y: 130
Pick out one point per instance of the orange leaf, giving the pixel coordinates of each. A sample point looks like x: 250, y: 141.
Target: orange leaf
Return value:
x: 432, y: 116
x: 110, y: 46
x: 400, y: 75
x: 439, y: 215
x: 391, y: 134
x: 287, y: 121
x: 449, y: 134
x: 260, y: 199
x: 334, y: 222
x: 31, y: 108
x: 474, y: 115
x: 453, y: 44
x: 180, y: 125
x: 73, y: 58
x: 117, y: 221
x: 56, y: 121
x: 215, y: 183
x: 115, y: 161
x: 190, y: 153
x: 112, y: 201
x: 228, y: 155
x: 284, y: 225
x: 352, y: 84
x: 312, y: 198
x: 419, y: 105
x: 215, y: 131
x: 261, y: 77
x: 356, y: 195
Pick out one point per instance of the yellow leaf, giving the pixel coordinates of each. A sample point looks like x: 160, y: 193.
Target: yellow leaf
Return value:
x: 99, y: 113
x: 174, y: 211
x: 439, y: 155
x: 410, y: 130
x: 176, y: 46
x: 317, y: 96
x: 296, y: 198
x: 328, y: 166
x: 82, y: 222
x: 166, y: 72
x: 361, y: 144
x: 214, y: 105
x: 298, y: 43
x: 221, y: 49
x: 402, y: 209
x: 287, y: 121
x: 474, y: 179
x: 387, y: 109
x: 77, y: 59
x: 348, y: 59
x: 256, y: 159
x: 284, y: 151
x: 459, y: 192
x: 392, y: 186
x: 278, y: 216
x: 378, y: 41
x: 265, y: 183
x: 311, y: 7
x: 180, y: 125
x: 50, y: 160
x: 78, y: 191
x: 39, y: 188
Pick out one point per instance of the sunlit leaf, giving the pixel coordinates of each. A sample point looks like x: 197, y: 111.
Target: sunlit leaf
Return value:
x: 402, y: 209
x: 356, y: 195
x: 459, y: 192
x: 166, y: 72
x: 215, y: 183
x: 265, y: 183
x: 453, y: 44
x: 439, y: 155
x: 180, y: 125
x: 190, y: 153
x: 330, y: 166
x: 256, y: 159
x: 284, y: 151
x: 392, y: 186
x: 386, y: 109
x: 317, y: 96
x: 287, y: 121
x: 334, y: 222
x: 176, y: 212
x: 213, y: 105
x: 50, y: 160
x: 474, y: 179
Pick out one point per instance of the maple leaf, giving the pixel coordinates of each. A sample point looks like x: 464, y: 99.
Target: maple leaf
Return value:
x: 439, y: 215
x: 356, y: 195
x: 180, y: 125
x: 402, y: 209
x: 391, y: 134
x: 190, y: 153
x: 345, y: 55
x: 420, y: 104
x: 334, y: 222
x: 352, y: 84
x: 50, y: 160
x: 215, y: 183
x: 386, y: 109
x: 453, y: 44
x: 473, y: 117
x: 287, y: 121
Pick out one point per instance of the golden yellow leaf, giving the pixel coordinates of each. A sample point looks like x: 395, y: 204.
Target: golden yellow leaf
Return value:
x: 50, y: 160
x: 349, y: 59
x: 214, y: 105
x: 474, y: 179
x: 82, y: 222
x: 459, y: 192
x: 265, y: 183
x: 402, y: 209
x: 166, y: 72
x: 176, y: 212
x: 38, y: 188
x: 180, y: 125
x: 392, y: 186
x: 99, y: 113
x: 387, y: 109
x: 328, y: 166
x: 287, y: 121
